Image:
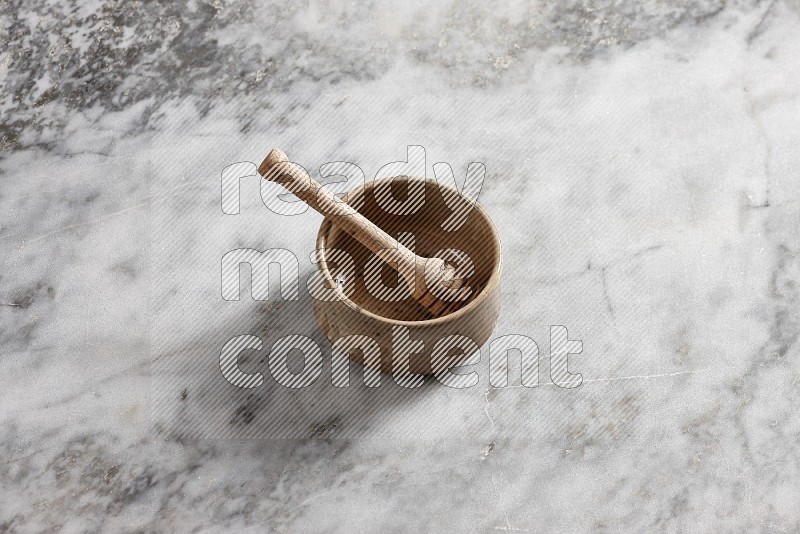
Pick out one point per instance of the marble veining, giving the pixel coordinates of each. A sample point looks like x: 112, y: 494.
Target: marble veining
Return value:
x: 641, y: 168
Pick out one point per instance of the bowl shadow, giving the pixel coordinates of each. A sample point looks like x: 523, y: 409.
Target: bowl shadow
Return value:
x: 193, y: 399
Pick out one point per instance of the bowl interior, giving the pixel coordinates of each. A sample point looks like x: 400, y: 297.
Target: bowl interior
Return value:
x: 425, y: 228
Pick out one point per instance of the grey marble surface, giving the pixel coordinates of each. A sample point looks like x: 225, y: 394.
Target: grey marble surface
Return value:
x: 641, y: 166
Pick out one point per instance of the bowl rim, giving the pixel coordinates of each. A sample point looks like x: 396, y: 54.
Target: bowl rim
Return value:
x: 488, y: 289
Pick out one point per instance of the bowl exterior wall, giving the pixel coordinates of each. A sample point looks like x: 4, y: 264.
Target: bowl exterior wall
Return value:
x: 337, y: 319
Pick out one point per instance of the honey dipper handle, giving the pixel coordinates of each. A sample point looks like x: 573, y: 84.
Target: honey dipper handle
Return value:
x: 277, y: 168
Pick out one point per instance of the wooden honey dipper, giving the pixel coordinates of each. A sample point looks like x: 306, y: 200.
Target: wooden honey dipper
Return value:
x: 418, y: 272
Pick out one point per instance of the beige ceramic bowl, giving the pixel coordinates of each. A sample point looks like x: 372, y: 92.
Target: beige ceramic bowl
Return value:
x: 362, y: 314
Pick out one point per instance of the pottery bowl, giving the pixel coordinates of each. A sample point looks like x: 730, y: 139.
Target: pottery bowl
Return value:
x: 354, y: 311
